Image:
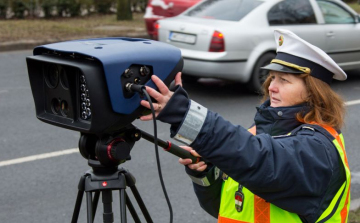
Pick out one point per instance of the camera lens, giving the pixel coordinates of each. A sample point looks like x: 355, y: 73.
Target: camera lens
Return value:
x: 55, y: 106
x: 52, y: 76
x: 64, y: 108
x: 64, y: 79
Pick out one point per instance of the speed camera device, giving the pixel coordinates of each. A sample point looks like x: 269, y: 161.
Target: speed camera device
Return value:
x: 81, y: 85
x: 90, y: 86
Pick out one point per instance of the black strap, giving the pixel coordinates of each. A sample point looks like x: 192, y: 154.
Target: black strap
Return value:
x: 315, y: 127
x: 330, y: 137
x: 335, y: 208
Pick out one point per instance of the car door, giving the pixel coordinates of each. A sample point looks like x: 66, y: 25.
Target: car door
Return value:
x: 342, y: 34
x: 300, y: 18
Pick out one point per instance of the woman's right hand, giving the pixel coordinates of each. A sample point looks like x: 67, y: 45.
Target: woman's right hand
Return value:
x: 162, y: 96
x: 200, y: 166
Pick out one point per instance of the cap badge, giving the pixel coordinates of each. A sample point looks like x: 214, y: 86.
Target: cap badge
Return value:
x: 281, y: 40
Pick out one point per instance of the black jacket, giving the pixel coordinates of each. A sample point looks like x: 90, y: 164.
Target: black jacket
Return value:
x: 300, y: 173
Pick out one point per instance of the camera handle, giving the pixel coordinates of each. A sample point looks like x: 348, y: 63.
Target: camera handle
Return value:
x: 104, y: 180
x: 172, y: 148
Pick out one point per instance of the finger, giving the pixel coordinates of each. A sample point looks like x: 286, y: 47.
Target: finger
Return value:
x: 154, y: 93
x: 185, y: 161
x: 178, y: 80
x: 192, y: 166
x: 197, y: 166
x: 146, y: 104
x: 146, y: 117
x: 186, y: 148
x: 194, y: 153
x: 202, y: 168
x: 160, y: 84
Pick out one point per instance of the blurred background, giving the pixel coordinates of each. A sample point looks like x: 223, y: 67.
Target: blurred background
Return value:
x: 40, y: 166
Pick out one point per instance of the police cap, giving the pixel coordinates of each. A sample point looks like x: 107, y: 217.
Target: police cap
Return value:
x: 296, y: 56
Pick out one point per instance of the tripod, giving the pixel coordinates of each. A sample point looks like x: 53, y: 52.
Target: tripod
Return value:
x: 104, y: 180
x: 104, y: 155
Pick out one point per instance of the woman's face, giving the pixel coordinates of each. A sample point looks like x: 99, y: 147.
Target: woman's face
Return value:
x: 286, y: 89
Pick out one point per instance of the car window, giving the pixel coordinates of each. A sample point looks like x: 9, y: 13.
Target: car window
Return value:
x: 291, y: 12
x: 232, y: 10
x: 334, y: 14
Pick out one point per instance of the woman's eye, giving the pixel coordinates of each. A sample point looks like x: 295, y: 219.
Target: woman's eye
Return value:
x: 283, y: 79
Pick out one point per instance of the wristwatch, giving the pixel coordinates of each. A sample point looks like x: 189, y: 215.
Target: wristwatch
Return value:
x: 211, y: 176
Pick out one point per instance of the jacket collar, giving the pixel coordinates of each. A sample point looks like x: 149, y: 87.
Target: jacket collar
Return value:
x: 279, y: 120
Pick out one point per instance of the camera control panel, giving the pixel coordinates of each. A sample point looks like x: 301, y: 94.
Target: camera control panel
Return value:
x: 135, y: 74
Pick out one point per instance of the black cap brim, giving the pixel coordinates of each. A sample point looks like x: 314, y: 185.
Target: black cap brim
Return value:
x: 281, y: 68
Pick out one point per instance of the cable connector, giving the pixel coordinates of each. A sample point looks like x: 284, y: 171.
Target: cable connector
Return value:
x: 135, y: 87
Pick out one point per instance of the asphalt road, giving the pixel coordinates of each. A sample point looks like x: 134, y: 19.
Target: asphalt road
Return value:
x: 44, y: 190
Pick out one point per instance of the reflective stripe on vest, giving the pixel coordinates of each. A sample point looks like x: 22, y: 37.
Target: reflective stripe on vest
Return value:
x: 257, y: 210
x: 338, y: 209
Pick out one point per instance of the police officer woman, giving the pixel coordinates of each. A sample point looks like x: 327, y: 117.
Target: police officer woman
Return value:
x: 291, y: 166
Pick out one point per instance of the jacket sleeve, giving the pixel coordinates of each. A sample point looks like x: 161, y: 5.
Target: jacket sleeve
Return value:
x: 282, y: 170
x: 208, y: 197
x: 277, y: 169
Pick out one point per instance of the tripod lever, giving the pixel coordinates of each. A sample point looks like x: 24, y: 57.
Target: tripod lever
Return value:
x: 172, y: 148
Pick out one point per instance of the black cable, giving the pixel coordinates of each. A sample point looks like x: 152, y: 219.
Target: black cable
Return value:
x: 157, y: 153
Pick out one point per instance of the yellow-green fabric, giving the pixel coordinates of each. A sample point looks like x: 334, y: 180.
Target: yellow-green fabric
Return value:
x: 229, y: 214
x: 341, y: 214
x: 227, y: 206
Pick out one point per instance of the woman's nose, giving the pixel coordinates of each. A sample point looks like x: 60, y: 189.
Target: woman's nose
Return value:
x: 273, y: 86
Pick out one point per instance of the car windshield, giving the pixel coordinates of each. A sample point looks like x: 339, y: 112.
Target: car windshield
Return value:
x: 232, y: 10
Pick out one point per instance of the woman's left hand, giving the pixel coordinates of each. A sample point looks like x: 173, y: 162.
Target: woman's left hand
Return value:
x: 200, y: 166
x: 161, y: 97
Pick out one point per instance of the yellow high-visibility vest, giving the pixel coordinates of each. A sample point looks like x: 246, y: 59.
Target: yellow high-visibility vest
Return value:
x: 257, y: 210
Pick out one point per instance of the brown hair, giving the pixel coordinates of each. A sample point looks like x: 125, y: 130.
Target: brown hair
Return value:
x: 326, y: 106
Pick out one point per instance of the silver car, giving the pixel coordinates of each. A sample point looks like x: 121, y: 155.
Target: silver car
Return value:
x: 232, y: 39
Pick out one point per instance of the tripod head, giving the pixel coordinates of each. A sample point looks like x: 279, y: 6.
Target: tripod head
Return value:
x: 110, y: 150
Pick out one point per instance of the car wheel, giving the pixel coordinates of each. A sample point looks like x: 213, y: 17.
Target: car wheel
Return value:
x: 258, y: 76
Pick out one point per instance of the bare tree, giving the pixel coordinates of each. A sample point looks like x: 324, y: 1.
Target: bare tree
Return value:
x: 124, y: 10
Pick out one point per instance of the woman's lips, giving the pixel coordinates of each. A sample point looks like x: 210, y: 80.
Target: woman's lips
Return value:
x: 275, y: 100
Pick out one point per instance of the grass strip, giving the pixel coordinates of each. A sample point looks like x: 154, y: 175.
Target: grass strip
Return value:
x: 66, y: 28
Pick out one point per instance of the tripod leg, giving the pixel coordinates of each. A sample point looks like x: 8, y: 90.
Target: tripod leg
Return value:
x: 95, y: 203
x: 132, y: 209
x: 108, y: 215
x: 141, y: 204
x: 89, y: 207
x: 130, y: 181
x: 81, y: 189
x: 122, y: 205
x: 77, y: 206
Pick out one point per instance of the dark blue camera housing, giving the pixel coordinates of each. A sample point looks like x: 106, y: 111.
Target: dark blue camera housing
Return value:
x: 80, y: 85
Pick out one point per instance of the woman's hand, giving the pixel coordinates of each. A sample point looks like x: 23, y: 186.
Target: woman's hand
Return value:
x: 161, y: 97
x: 200, y: 166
